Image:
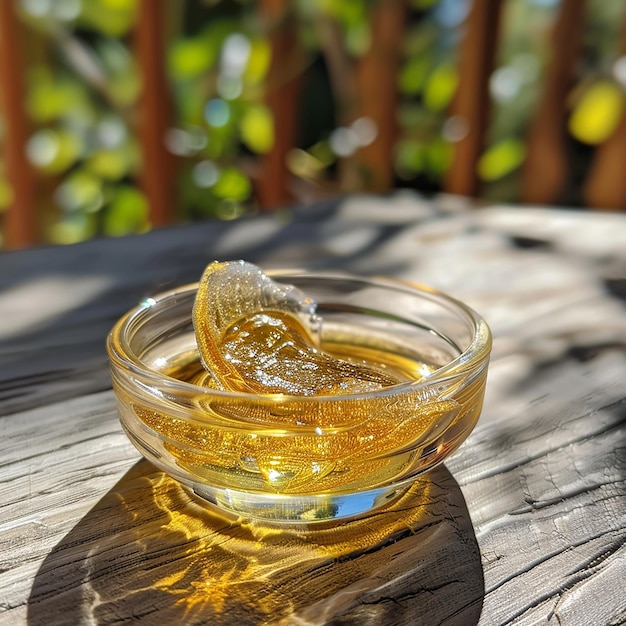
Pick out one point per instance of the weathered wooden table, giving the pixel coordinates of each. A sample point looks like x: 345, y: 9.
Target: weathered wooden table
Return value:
x: 524, y: 525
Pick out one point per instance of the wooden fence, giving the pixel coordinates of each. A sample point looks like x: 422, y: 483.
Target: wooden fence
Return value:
x: 544, y: 171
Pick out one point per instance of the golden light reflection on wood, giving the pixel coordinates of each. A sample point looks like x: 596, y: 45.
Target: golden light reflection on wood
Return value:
x: 248, y: 563
x: 151, y: 546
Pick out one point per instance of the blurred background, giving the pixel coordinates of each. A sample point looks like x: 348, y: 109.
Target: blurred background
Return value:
x: 120, y: 115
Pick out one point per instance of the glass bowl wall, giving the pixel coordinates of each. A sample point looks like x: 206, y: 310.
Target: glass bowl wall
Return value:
x: 305, y: 459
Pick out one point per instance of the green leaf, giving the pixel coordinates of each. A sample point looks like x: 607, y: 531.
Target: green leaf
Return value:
x: 81, y: 191
x: 423, y: 4
x: 410, y: 157
x: 358, y: 38
x: 232, y: 185
x: 303, y: 164
x: 110, y: 17
x: 123, y: 82
x: 413, y: 75
x: 257, y: 129
x: 438, y: 158
x: 124, y: 89
x: 323, y: 153
x: 348, y: 12
x: 501, y: 159
x: 120, y: 5
x: 190, y: 58
x: 56, y: 97
x: 127, y: 213
x: 73, y: 229
x: 440, y: 87
x: 190, y: 101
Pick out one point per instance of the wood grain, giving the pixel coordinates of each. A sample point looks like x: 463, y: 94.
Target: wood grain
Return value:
x: 526, y: 524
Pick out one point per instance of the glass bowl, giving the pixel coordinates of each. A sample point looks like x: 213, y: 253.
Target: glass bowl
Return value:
x: 306, y: 459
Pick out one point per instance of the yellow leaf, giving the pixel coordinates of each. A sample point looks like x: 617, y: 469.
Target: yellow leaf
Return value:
x: 440, y: 87
x: 6, y: 195
x: 120, y: 5
x: 501, y: 159
x: 598, y: 113
x: 232, y: 185
x: 111, y: 164
x: 127, y: 213
x: 257, y: 129
x: 72, y: 229
x: 258, y: 61
x: 189, y: 58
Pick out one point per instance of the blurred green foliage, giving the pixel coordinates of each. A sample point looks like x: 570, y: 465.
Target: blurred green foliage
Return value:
x: 84, y: 84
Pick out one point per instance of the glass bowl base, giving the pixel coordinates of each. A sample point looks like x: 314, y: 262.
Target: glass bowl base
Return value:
x: 299, y: 509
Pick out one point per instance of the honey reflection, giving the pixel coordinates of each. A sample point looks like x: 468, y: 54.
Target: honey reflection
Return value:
x: 150, y: 551
x: 256, y: 566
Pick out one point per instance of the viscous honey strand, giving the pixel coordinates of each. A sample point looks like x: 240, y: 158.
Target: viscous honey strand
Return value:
x: 258, y: 336
x: 273, y: 354
x: 231, y: 292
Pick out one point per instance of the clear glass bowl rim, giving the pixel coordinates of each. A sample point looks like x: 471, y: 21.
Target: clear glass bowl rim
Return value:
x: 477, y: 351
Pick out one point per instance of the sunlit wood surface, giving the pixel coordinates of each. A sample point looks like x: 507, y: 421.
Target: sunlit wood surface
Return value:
x: 524, y: 525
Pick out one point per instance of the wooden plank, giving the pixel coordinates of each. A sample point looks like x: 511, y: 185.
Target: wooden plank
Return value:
x: 545, y: 171
x: 605, y: 186
x: 559, y: 540
x: 282, y: 90
x: 366, y: 88
x: 472, y: 102
x: 157, y: 174
x: 376, y: 84
x: 21, y: 227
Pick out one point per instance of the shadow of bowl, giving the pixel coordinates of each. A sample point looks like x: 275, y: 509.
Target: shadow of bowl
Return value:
x: 149, y: 552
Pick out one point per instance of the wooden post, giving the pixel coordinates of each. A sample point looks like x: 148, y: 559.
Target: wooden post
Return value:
x: 545, y: 171
x: 605, y: 187
x: 472, y: 101
x: 376, y: 77
x: 157, y: 176
x: 272, y: 186
x: 20, y: 222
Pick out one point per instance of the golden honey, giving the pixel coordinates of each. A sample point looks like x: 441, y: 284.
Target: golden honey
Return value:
x: 354, y: 443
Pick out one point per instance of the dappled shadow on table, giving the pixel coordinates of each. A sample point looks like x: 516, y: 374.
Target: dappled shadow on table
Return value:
x: 149, y: 552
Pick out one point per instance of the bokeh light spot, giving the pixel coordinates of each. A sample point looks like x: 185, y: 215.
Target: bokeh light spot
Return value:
x: 619, y: 70
x: 505, y: 83
x: 344, y: 141
x: 235, y: 54
x: 217, y: 112
x: 598, y: 113
x: 37, y: 8
x: 205, y: 174
x: 366, y: 130
x: 43, y: 147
